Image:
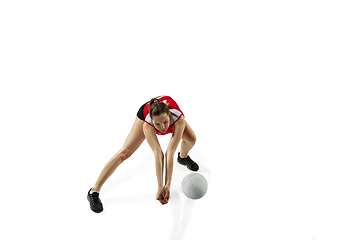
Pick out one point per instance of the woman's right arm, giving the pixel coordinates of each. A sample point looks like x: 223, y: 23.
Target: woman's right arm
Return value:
x: 151, y: 138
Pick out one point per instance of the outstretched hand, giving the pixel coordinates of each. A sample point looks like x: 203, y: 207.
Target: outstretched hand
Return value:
x: 163, y: 195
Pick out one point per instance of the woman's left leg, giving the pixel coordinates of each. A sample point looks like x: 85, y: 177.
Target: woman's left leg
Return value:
x: 188, y: 141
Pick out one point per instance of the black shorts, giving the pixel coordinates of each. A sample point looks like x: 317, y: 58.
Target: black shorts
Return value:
x: 140, y: 113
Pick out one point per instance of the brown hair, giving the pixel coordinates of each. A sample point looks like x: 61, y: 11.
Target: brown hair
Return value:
x: 156, y: 108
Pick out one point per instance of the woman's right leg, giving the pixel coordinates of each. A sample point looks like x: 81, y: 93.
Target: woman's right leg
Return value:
x: 132, y: 143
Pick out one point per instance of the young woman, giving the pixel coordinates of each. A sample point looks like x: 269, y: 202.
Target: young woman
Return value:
x: 159, y: 116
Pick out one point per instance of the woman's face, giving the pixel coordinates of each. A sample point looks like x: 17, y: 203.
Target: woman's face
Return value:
x: 161, y: 122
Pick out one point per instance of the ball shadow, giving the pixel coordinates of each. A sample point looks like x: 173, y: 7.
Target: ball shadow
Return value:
x: 181, y: 215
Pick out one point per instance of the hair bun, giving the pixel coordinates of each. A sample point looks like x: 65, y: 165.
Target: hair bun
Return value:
x: 156, y: 107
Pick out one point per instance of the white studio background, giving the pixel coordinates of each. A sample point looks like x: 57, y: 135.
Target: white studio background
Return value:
x: 269, y: 87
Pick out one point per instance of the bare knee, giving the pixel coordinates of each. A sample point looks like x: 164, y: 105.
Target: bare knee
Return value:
x: 191, y: 140
x: 124, y: 154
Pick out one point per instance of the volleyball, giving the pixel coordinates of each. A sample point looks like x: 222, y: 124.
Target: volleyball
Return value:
x: 194, y: 185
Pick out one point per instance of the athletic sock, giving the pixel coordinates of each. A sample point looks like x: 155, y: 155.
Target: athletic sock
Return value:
x: 183, y: 158
x: 91, y: 191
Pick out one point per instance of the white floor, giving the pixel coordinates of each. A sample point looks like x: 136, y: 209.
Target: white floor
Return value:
x: 270, y: 89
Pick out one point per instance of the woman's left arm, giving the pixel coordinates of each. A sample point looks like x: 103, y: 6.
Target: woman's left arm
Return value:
x: 179, y: 127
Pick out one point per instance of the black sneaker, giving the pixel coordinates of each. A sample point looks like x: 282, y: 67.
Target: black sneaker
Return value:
x: 95, y: 202
x: 188, y: 162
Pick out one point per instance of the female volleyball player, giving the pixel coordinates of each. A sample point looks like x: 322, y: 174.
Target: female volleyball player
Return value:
x: 159, y: 116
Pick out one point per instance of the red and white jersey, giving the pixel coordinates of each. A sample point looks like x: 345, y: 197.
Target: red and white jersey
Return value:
x: 175, y: 114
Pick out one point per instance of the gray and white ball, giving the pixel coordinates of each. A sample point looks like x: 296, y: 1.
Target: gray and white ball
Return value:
x: 194, y: 185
